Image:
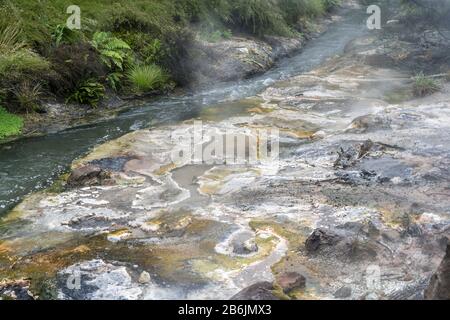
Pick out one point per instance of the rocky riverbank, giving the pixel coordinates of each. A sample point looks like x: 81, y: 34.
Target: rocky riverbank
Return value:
x: 234, y: 59
x: 356, y: 207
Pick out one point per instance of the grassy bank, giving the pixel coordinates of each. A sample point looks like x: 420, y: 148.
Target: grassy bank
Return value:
x: 124, y: 46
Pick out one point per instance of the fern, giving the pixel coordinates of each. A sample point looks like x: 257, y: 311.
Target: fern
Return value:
x: 113, y: 51
x: 89, y: 92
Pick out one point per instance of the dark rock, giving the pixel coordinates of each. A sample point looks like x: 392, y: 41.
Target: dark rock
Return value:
x: 343, y: 293
x: 244, y: 247
x: 88, y: 175
x: 439, y: 287
x: 16, y: 290
x: 289, y: 281
x: 257, y: 291
x: 320, y: 238
x: 111, y: 164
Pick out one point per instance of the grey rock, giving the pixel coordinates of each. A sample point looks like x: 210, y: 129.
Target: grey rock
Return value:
x: 343, y: 293
x: 439, y: 287
x: 88, y: 175
x: 257, y: 291
x: 290, y: 281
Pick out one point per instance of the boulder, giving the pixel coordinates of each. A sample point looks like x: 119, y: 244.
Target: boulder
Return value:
x: 144, y: 278
x: 88, y: 175
x: 257, y: 291
x: 290, y: 281
x: 343, y: 292
x: 319, y: 238
x: 439, y: 287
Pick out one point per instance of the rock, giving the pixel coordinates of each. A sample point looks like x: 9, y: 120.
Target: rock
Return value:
x: 321, y: 237
x: 371, y: 296
x: 393, y: 22
x: 343, y: 293
x: 290, y: 281
x: 369, y: 122
x: 439, y: 287
x: 257, y: 291
x: 88, y: 175
x: 16, y: 290
x: 144, y: 277
x: 391, y: 235
x: 250, y: 245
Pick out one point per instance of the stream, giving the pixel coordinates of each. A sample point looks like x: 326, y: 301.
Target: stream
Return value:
x: 31, y: 164
x: 356, y: 205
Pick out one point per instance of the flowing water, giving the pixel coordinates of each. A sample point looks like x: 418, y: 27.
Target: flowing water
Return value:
x: 31, y: 164
x: 363, y: 179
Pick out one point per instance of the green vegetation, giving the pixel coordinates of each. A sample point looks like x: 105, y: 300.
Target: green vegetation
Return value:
x: 432, y: 13
x: 10, y: 124
x: 89, y: 92
x: 127, y: 46
x: 424, y: 85
x: 144, y: 78
x: 113, y: 51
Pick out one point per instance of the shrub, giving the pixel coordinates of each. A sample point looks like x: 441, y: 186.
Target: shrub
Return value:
x: 144, y: 78
x: 424, y: 85
x: 113, y: 51
x: 22, y: 61
x: 89, y: 92
x: 27, y: 95
x: 10, y: 124
x: 72, y: 64
x: 259, y: 17
x: 216, y: 35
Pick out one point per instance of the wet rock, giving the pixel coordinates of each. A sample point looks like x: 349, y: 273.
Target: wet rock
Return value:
x: 244, y: 244
x: 343, y: 293
x: 111, y: 164
x: 413, y: 230
x: 97, y: 280
x: 391, y: 235
x: 290, y: 281
x: 257, y: 291
x: 15, y: 290
x: 250, y: 245
x: 369, y: 122
x: 320, y: 238
x: 89, y: 175
x: 144, y: 277
x: 348, y: 157
x: 439, y: 287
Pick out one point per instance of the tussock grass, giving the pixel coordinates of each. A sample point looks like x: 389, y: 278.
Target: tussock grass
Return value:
x: 145, y: 78
x: 424, y: 85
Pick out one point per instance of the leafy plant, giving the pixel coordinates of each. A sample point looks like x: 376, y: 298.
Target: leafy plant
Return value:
x: 89, y: 92
x: 144, y: 78
x: 113, y: 51
x: 64, y: 35
x: 424, y: 85
x: 10, y: 124
x: 114, y: 80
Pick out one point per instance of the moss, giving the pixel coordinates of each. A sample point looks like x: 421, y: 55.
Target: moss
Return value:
x: 10, y: 124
